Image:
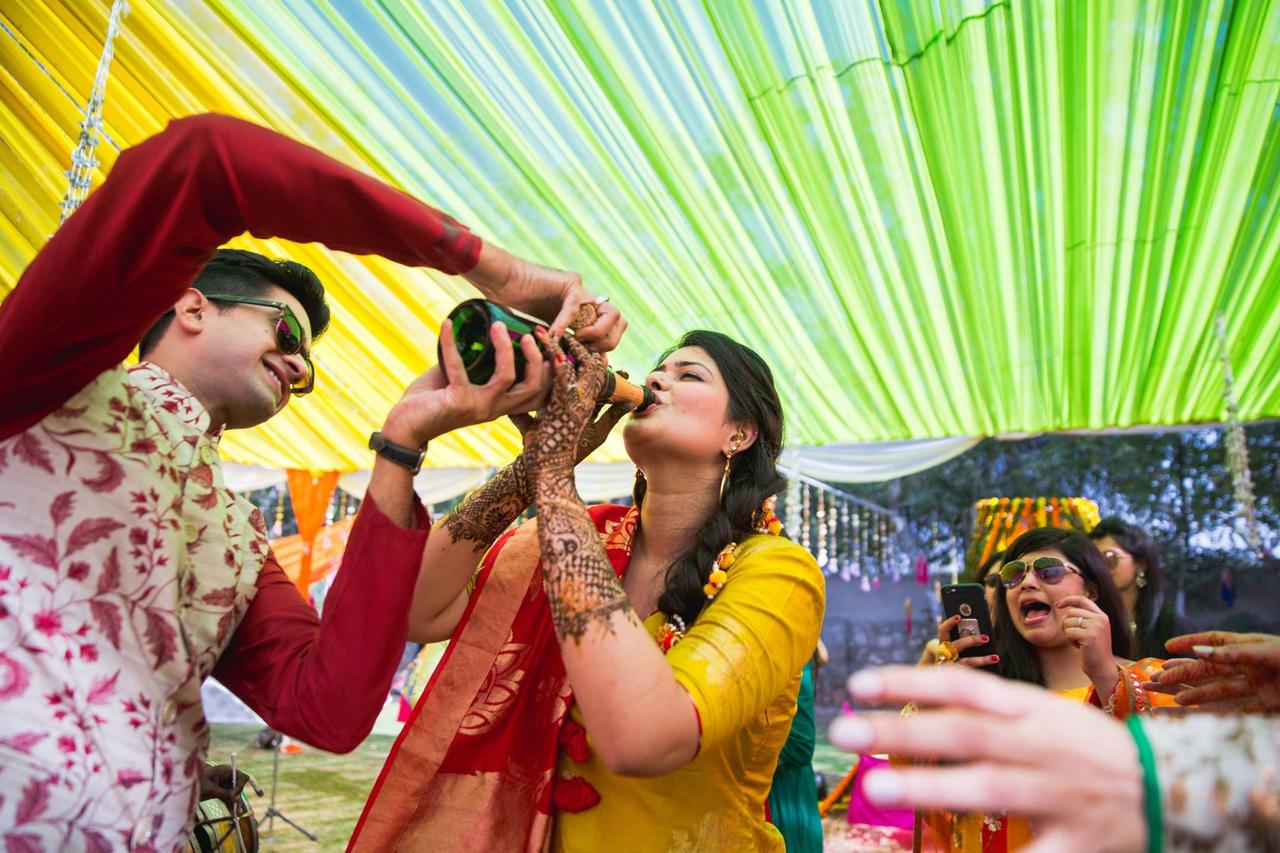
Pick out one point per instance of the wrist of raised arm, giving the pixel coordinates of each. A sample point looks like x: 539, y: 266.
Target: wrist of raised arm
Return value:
x: 484, y: 515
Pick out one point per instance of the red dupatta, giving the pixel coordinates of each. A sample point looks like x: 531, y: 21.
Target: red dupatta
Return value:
x: 475, y: 766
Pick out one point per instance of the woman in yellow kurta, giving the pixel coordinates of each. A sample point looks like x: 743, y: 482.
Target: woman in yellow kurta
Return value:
x: 620, y: 676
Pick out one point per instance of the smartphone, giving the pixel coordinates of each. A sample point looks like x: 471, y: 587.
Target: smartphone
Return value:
x: 969, y: 602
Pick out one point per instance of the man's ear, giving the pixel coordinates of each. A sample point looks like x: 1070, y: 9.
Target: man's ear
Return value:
x: 191, y: 311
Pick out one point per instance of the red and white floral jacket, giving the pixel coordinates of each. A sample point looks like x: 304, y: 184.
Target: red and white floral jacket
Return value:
x: 120, y: 536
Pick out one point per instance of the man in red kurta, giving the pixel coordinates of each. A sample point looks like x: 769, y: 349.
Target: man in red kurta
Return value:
x: 128, y: 571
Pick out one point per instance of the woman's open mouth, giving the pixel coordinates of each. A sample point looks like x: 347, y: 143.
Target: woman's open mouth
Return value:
x: 1035, y: 613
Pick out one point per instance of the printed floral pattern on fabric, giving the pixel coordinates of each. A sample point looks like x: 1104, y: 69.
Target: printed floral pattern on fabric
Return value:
x: 617, y: 534
x: 498, y: 691
x: 124, y: 568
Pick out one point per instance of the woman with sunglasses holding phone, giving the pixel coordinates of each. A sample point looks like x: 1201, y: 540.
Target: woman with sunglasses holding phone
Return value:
x: 1063, y: 624
x: 1060, y: 623
x: 1134, y: 560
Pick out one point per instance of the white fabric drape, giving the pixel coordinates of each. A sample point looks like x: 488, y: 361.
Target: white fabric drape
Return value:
x: 872, y: 461
x: 601, y: 481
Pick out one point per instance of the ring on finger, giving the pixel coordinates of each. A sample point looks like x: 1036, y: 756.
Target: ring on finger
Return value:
x: 946, y: 652
x: 600, y: 300
x: 1079, y: 621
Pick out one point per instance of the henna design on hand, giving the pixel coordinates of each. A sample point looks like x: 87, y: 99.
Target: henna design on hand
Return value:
x: 581, y: 586
x: 580, y: 583
x: 489, y: 511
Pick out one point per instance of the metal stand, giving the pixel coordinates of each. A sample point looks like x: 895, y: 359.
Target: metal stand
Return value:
x: 272, y: 812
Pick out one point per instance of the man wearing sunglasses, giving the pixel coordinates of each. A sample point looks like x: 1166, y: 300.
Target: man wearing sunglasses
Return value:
x: 128, y: 571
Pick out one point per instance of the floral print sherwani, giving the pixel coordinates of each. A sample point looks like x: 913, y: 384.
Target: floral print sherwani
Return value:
x: 116, y: 534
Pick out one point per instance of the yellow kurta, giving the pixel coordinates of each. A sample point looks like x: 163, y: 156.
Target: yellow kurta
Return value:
x: 741, y: 662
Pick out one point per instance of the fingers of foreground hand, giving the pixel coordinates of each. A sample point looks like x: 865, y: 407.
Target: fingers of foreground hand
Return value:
x: 455, y: 371
x: 591, y: 369
x: 979, y: 661
x: 1215, y: 691
x: 526, y: 394
x: 604, y: 331
x: 1192, y: 672
x: 1258, y: 653
x: 978, y: 787
x: 951, y: 686
x: 504, y: 359
x: 950, y: 735
x: 1248, y: 704
x: 571, y: 286
x: 1182, y: 645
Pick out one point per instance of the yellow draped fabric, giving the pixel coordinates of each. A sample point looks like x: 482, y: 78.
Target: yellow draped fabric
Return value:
x: 175, y: 59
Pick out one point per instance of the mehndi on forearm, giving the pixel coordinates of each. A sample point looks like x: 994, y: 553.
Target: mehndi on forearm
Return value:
x: 580, y: 583
x: 489, y: 511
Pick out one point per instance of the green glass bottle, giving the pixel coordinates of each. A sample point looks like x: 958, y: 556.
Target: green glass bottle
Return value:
x: 471, y: 322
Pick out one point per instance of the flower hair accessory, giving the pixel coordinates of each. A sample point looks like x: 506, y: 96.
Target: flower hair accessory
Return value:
x: 671, y: 632
x: 768, y: 519
x: 719, y: 571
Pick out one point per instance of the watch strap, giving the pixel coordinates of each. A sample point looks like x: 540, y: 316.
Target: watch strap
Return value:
x: 409, y: 458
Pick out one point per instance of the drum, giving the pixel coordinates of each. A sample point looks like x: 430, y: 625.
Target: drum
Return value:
x: 218, y: 830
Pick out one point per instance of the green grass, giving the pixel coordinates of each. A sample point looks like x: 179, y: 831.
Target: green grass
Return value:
x: 325, y: 792
x: 321, y: 791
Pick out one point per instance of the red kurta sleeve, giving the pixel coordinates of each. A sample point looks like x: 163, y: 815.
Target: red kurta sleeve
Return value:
x: 324, y: 679
x: 127, y: 254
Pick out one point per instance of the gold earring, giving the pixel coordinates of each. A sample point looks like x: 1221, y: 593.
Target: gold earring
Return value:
x: 728, y: 459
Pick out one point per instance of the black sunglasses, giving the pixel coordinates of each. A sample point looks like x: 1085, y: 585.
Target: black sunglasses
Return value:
x: 288, y: 334
x: 1048, y: 570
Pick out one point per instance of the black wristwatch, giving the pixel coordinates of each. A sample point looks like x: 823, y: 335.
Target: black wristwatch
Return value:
x: 406, y: 457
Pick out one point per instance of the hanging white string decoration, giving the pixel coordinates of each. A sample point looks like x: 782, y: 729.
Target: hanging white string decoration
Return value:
x: 833, y: 529
x: 793, y: 506
x: 821, y: 554
x: 804, y: 519
x: 867, y: 567
x: 1238, y: 448
x: 79, y: 176
x: 855, y: 543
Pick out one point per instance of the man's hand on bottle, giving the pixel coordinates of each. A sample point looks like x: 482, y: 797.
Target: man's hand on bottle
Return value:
x: 444, y: 399
x: 549, y: 294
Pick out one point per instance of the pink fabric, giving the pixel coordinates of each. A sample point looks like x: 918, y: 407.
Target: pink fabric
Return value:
x: 863, y: 812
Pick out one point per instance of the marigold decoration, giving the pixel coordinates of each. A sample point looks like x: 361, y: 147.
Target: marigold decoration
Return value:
x: 768, y: 520
x: 767, y: 523
x: 999, y: 521
x: 719, y: 571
